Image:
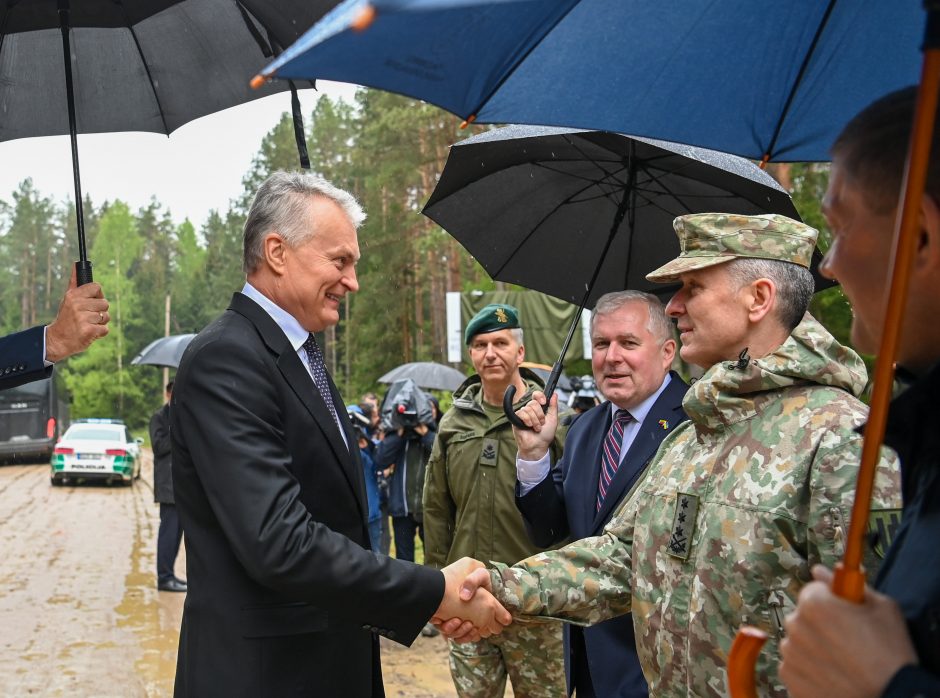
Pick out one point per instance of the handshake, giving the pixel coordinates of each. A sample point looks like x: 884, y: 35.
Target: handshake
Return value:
x: 467, y: 612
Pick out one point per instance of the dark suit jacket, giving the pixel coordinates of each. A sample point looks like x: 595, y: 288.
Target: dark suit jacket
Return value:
x: 563, y: 506
x: 22, y: 358
x: 161, y: 444
x: 284, y: 596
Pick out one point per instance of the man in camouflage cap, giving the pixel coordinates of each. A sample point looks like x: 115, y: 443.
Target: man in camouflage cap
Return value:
x: 744, y: 498
x: 470, y: 510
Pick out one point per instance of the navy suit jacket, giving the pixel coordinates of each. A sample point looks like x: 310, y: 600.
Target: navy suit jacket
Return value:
x: 22, y: 358
x: 563, y: 506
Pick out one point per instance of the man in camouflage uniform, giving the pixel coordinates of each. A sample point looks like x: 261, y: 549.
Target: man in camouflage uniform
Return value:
x: 742, y: 499
x: 469, y: 509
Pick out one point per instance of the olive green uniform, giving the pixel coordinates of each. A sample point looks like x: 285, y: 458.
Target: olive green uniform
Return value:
x: 470, y: 511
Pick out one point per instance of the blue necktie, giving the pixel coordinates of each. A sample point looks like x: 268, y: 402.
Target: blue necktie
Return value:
x: 318, y: 369
x: 610, y: 457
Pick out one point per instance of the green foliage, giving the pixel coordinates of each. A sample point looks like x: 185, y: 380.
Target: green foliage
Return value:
x: 830, y: 307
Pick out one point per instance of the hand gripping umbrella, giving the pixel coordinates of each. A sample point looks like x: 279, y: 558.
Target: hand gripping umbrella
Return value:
x: 576, y: 214
x: 849, y: 578
x: 148, y: 65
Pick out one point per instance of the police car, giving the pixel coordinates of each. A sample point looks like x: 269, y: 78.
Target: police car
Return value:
x: 96, y: 449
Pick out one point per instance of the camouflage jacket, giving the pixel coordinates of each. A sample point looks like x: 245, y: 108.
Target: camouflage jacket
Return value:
x: 469, y: 487
x: 737, y: 505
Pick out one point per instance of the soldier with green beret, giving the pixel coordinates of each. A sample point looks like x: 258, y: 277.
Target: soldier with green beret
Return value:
x: 470, y: 510
x: 741, y: 500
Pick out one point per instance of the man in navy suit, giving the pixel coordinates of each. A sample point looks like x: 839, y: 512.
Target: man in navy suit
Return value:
x: 632, y: 350
x: 30, y: 355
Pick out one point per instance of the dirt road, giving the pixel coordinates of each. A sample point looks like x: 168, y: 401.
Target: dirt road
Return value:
x: 79, y: 610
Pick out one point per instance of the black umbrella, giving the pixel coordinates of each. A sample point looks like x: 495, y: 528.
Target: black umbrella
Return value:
x: 426, y: 374
x: 166, y: 351
x: 147, y: 65
x: 576, y: 214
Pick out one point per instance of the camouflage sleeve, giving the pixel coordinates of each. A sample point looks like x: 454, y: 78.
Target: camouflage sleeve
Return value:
x: 833, y: 481
x: 583, y: 583
x: 440, y: 513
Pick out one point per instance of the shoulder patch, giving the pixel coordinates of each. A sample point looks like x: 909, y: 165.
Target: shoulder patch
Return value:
x: 489, y: 452
x: 683, y: 525
x: 882, y: 527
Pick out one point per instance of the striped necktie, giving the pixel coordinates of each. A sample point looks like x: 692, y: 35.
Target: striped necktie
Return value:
x: 610, y: 458
x: 318, y: 369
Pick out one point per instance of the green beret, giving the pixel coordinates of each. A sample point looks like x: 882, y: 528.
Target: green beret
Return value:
x: 707, y: 239
x: 495, y: 316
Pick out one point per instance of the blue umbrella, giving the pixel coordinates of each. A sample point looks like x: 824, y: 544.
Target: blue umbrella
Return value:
x: 763, y: 79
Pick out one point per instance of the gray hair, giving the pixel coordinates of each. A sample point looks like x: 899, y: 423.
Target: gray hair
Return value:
x: 794, y: 284
x: 659, y: 325
x: 280, y: 205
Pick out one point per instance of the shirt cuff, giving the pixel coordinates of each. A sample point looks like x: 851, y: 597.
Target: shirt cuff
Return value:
x: 530, y: 473
x: 46, y: 363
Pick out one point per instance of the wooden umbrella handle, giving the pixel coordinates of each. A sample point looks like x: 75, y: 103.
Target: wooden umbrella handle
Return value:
x: 849, y: 579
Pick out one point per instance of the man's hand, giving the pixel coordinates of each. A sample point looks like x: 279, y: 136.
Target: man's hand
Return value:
x: 533, y: 443
x: 467, y: 619
x: 421, y: 429
x: 837, y: 648
x: 82, y: 318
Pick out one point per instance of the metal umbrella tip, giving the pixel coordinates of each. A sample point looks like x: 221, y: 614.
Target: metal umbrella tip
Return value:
x: 469, y: 120
x: 364, y: 20
x: 257, y: 81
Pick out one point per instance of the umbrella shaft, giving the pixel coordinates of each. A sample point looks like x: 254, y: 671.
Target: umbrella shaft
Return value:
x: 70, y: 96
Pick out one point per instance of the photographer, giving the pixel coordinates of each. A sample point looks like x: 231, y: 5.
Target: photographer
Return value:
x: 402, y: 456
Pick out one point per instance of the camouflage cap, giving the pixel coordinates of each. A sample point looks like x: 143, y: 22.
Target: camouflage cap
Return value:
x: 707, y: 239
x: 495, y: 316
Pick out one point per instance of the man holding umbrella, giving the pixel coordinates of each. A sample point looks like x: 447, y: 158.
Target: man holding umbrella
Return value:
x: 632, y: 349
x: 889, y: 644
x: 743, y: 498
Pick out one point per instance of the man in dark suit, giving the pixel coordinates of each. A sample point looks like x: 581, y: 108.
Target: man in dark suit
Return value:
x: 632, y: 350
x: 30, y: 355
x: 170, y: 533
x: 285, y: 597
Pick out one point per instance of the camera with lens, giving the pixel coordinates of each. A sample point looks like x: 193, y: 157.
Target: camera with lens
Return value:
x: 584, y: 393
x: 405, y: 407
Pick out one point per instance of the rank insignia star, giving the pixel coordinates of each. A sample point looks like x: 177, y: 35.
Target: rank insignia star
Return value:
x: 683, y: 525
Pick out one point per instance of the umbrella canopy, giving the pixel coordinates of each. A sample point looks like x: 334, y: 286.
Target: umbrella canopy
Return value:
x: 758, y: 78
x: 550, y: 208
x: 426, y: 374
x: 149, y: 65
x: 166, y: 351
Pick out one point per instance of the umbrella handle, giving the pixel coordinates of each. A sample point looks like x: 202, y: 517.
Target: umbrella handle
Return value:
x: 83, y: 272
x: 741, y: 662
x: 509, y: 398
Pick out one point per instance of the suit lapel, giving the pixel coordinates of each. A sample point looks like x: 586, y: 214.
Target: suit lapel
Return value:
x: 300, y: 382
x: 668, y: 408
